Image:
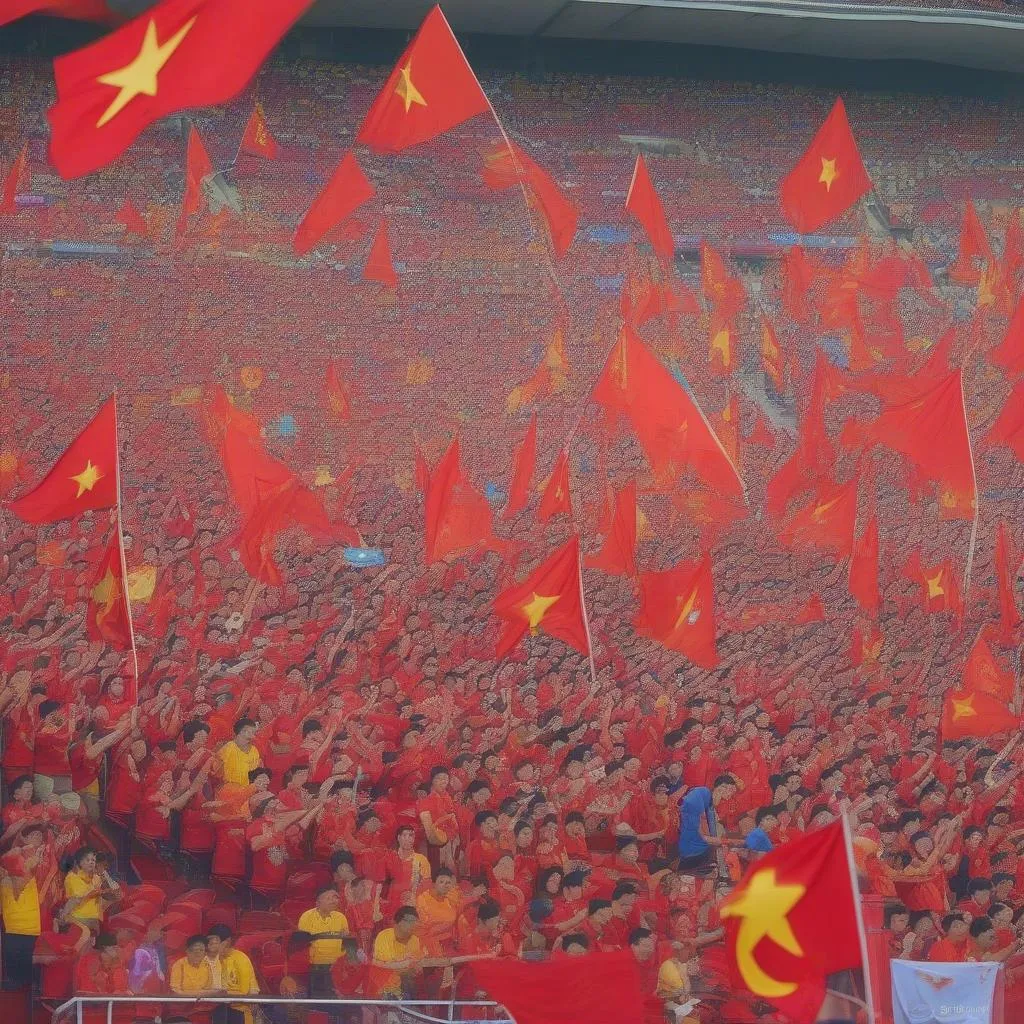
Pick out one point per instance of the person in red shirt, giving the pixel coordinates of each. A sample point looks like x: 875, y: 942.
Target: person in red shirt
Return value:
x: 102, y: 973
x: 953, y: 946
x: 438, y: 815
x: 51, y: 762
x: 484, y: 849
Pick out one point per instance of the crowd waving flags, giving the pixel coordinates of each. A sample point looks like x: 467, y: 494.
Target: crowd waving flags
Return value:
x: 799, y: 409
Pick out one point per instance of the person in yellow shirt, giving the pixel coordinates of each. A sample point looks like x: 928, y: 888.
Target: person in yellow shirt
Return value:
x: 328, y: 926
x: 191, y: 975
x: 236, y: 975
x: 675, y: 990
x: 239, y: 756
x: 19, y: 908
x: 397, y: 956
x: 83, y: 887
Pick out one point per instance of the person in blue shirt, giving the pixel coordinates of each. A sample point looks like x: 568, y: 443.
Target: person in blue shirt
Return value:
x: 698, y: 825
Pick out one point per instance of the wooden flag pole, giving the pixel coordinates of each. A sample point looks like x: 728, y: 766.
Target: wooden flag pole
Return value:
x: 120, y: 548
x: 586, y: 618
x: 861, y: 932
x: 977, y: 502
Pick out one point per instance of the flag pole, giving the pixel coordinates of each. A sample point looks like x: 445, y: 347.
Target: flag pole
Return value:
x: 861, y: 932
x: 120, y: 548
x: 586, y: 618
x: 974, y: 477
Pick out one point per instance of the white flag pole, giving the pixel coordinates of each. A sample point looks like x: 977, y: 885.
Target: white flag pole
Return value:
x: 861, y: 931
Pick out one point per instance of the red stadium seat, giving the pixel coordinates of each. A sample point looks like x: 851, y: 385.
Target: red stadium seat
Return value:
x: 220, y: 914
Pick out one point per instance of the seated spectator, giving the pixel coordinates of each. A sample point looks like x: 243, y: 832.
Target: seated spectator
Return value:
x: 397, y: 957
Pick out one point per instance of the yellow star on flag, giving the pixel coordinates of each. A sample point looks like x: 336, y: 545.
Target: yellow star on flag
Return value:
x: 828, y: 173
x: 106, y: 590
x: 935, y: 588
x: 763, y: 907
x: 537, y: 608
x: 964, y: 708
x: 139, y: 78
x: 687, y: 611
x: 819, y: 512
x: 407, y: 90
x: 87, y: 479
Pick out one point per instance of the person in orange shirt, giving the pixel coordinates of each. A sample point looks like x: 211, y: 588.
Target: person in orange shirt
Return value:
x: 439, y: 908
x: 953, y: 948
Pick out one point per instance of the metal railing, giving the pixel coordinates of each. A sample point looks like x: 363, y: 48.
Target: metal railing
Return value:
x: 410, y: 1008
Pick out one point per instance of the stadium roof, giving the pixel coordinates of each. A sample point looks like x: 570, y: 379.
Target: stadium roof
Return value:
x: 973, y: 34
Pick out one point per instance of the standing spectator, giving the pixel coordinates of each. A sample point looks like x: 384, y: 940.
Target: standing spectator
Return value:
x: 328, y: 926
x: 237, y: 976
x: 240, y: 756
x: 20, y: 910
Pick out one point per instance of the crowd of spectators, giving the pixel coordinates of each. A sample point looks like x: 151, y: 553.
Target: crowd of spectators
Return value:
x: 331, y: 786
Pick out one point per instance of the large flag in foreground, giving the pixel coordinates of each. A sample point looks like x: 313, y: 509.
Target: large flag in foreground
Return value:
x: 431, y: 90
x: 80, y: 10
x: 602, y: 988
x: 549, y: 599
x: 177, y: 55
x: 828, y: 179
x: 792, y: 921
x: 83, y: 478
x: 981, y: 706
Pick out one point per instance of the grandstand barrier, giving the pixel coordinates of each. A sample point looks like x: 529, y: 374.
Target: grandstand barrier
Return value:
x: 74, y: 1010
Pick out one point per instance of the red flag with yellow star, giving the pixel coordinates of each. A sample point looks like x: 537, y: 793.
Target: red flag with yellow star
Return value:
x: 792, y: 921
x: 981, y: 706
x: 457, y: 515
x: 431, y: 90
x: 827, y: 522
x: 939, y: 589
x: 175, y: 56
x: 83, y: 478
x: 671, y: 428
x: 931, y: 430
x: 984, y: 674
x: 549, y: 599
x: 723, y: 291
x: 618, y: 553
x: 677, y: 608
x: 257, y: 139
x: 108, y: 618
x: 347, y: 190
x: 643, y: 203
x: 828, y: 179
x: 556, y: 498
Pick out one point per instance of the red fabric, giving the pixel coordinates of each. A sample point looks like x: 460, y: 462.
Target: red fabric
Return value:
x: 347, y: 190
x: 721, y: 289
x: 822, y: 921
x: 379, y: 266
x: 976, y: 713
x: 864, y: 568
x: 828, y: 522
x: 556, y: 497
x: 932, y: 432
x: 974, y: 244
x: 14, y: 176
x: 771, y: 355
x: 618, y: 553
x: 1007, y: 564
x: 940, y: 591
x: 58, y: 495
x: 677, y: 608
x: 90, y: 127
x: 257, y: 139
x: 338, y: 397
x: 983, y: 674
x: 828, y: 179
x: 510, y: 165
x: 81, y: 10
x: 1008, y: 428
x: 643, y: 203
x: 601, y: 988
x: 132, y: 220
x: 523, y: 464
x: 524, y: 606
x: 108, y: 617
x: 431, y: 90
x: 198, y: 167
x: 457, y: 516
x: 671, y: 429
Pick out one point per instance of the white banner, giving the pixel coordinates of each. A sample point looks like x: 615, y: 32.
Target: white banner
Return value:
x: 926, y: 993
